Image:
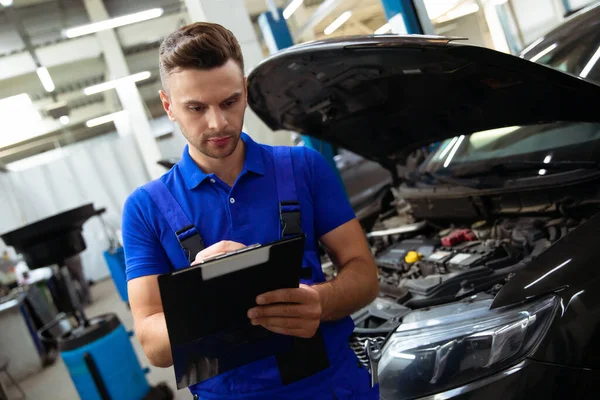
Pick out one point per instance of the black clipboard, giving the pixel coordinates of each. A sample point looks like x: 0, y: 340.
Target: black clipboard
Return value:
x: 206, y: 307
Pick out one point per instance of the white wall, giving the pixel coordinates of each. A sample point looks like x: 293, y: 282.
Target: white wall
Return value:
x: 575, y: 4
x: 536, y: 17
x: 102, y: 171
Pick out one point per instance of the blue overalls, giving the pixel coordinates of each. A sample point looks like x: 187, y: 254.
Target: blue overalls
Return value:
x: 326, y: 367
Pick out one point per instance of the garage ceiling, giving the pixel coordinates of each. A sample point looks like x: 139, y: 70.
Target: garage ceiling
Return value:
x: 32, y: 29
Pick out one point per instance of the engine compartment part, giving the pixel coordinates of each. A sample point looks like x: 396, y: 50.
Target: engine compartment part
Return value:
x: 458, y: 236
x: 375, y: 322
x: 394, y: 257
x: 439, y: 265
x: 399, y: 230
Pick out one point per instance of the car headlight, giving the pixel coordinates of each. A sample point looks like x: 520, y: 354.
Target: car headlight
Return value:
x: 436, y: 350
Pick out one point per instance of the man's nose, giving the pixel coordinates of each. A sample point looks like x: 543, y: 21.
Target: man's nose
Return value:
x: 217, y: 119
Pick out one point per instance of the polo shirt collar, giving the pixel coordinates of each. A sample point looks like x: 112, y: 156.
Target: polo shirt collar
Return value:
x: 194, y: 176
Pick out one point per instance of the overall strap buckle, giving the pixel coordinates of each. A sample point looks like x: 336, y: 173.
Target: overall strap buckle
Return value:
x: 290, y: 218
x: 188, y: 237
x: 190, y: 240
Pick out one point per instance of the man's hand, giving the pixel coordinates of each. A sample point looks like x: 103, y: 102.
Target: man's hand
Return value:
x: 216, y: 249
x: 294, y: 312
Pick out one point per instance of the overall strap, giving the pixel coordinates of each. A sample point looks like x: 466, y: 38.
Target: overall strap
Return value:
x: 289, y: 207
x: 187, y: 235
x: 307, y: 356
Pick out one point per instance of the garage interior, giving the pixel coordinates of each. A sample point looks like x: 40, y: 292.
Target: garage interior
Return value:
x: 82, y: 126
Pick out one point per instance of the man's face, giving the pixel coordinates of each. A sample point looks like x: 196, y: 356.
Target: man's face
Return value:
x: 209, y: 107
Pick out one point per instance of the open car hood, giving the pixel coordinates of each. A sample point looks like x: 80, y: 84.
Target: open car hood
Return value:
x: 384, y: 96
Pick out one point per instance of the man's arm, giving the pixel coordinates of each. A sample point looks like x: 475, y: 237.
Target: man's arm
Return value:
x: 149, y: 320
x: 356, y: 284
x: 147, y: 310
x: 298, y: 312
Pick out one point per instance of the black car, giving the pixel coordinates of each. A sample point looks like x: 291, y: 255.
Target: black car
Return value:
x: 489, y: 269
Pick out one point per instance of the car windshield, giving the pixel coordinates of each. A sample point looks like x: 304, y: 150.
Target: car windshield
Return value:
x: 548, y: 143
x: 573, y: 48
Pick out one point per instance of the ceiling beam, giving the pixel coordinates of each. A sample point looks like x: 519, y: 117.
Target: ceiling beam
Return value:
x: 13, y: 16
x: 365, y: 30
x: 322, y: 12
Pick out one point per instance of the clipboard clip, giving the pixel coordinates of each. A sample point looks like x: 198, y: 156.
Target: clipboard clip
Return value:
x: 291, y: 219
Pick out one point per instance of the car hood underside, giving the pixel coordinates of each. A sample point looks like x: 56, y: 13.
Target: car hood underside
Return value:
x: 384, y: 96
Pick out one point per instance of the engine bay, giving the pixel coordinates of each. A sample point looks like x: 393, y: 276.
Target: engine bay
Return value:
x: 434, y: 265
x: 425, y: 263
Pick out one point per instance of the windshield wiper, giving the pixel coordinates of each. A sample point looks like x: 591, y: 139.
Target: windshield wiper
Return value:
x: 433, y: 179
x: 514, y: 166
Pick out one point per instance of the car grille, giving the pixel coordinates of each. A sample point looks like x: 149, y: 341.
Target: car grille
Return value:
x: 357, y: 344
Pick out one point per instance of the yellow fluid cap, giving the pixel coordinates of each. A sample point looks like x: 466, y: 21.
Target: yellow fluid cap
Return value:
x: 412, y: 257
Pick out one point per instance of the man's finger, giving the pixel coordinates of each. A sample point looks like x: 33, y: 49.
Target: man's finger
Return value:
x: 290, y: 332
x: 217, y: 249
x: 285, y: 296
x: 278, y: 322
x: 284, y: 310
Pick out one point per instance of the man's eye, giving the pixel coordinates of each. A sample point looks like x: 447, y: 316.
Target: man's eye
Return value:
x: 196, y: 109
x: 229, y: 103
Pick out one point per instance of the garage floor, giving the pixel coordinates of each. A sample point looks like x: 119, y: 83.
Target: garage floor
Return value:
x: 54, y: 382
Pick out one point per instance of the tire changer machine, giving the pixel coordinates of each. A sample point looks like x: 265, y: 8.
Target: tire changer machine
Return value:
x: 97, y: 351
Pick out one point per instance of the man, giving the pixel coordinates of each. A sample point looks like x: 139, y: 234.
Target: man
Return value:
x: 227, y: 186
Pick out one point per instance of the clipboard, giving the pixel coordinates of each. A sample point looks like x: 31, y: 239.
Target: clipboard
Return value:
x: 206, y: 307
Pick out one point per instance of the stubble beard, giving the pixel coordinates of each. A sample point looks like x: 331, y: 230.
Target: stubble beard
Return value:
x: 202, y: 145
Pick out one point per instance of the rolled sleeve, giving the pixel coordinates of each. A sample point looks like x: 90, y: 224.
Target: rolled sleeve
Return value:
x: 331, y: 204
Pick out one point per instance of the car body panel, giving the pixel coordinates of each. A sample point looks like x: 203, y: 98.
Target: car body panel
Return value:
x: 384, y: 96
x: 528, y: 380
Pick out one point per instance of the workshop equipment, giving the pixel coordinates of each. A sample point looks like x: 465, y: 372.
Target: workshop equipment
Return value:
x: 373, y: 351
x: 115, y: 259
x: 100, y: 359
x: 97, y: 351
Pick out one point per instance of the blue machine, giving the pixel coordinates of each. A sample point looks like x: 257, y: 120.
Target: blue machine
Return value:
x: 101, y: 361
x: 96, y: 351
x: 115, y: 259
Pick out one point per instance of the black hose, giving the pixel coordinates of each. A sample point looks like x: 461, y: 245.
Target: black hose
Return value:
x: 91, y: 364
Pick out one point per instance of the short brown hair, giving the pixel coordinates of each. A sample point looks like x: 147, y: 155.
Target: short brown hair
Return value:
x: 201, y: 45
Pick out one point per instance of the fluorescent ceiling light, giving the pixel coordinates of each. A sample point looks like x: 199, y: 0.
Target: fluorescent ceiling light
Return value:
x: 588, y: 67
x: 104, y: 119
x: 384, y: 29
x: 339, y: 21
x: 543, y: 52
x: 113, y: 23
x: 102, y: 87
x: 291, y: 8
x: 6, y: 3
x: 448, y: 147
x: 453, y: 152
x: 46, y: 79
x: 64, y: 119
x: 531, y: 46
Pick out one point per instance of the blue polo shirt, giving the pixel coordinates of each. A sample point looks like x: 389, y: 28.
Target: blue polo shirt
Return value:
x: 247, y: 213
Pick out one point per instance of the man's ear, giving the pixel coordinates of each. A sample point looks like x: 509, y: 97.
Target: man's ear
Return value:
x: 246, y: 89
x: 166, y: 102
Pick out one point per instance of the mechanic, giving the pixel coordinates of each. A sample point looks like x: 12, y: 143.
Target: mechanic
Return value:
x: 230, y: 188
